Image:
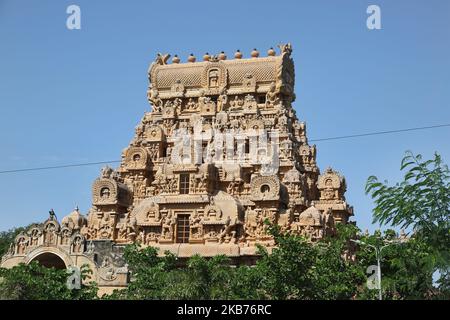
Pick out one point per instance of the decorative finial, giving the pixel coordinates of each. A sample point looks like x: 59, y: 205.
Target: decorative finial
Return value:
x: 191, y: 58
x: 162, y: 58
x: 222, y: 56
x: 285, y: 48
x: 238, y: 54
x: 52, y: 214
x: 77, y: 209
x: 175, y: 59
x: 206, y: 57
x: 271, y: 52
x: 255, y: 53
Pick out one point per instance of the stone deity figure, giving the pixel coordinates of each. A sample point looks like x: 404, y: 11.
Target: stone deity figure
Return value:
x: 107, y: 172
x: 52, y: 215
x: 222, y: 100
x: 34, y: 237
x: 272, y: 96
x: 236, y: 104
x: 105, y: 226
x: 195, y: 225
x: 65, y: 237
x: 191, y: 105
x: 77, y: 245
x: 50, y: 233
x: 167, y: 227
x: 156, y: 101
x: 177, y: 105
x: 141, y: 238
x: 22, y: 245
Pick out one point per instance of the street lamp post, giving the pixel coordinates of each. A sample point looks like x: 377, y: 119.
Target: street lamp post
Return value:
x: 378, y: 248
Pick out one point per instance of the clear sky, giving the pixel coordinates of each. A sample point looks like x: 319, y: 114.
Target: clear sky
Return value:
x: 72, y: 96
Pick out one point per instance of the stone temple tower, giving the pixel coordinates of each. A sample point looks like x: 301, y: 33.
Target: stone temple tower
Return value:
x: 220, y: 152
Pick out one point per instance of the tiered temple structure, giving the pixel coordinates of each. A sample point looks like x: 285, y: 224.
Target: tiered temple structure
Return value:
x: 197, y: 197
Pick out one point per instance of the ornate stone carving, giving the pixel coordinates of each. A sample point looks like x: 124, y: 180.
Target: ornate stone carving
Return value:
x: 212, y: 214
x: 214, y: 76
x: 78, y: 243
x: 65, y: 235
x: 155, y: 100
x: 265, y: 188
x: 250, y: 104
x: 249, y: 83
x: 207, y: 106
x: 51, y: 228
x: 107, y: 271
x: 35, y: 234
x: 154, y: 133
x: 22, y: 241
x: 136, y: 158
x: 331, y: 185
x: 178, y: 88
x: 127, y: 229
x: 106, y: 226
x: 162, y: 59
x: 272, y: 96
x: 74, y: 221
x: 107, y: 191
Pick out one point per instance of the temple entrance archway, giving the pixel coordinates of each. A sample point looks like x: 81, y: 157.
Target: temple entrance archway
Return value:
x: 50, y: 260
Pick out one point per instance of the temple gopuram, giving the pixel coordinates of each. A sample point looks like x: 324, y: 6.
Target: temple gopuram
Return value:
x: 220, y: 152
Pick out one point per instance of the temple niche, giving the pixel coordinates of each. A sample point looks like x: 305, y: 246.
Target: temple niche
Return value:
x: 185, y: 186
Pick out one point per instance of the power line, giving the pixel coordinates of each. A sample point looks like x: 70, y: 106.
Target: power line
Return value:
x: 59, y: 167
x: 311, y: 140
x: 380, y: 132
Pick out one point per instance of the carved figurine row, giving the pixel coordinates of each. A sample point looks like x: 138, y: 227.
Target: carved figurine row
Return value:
x: 51, y: 233
x: 213, y: 104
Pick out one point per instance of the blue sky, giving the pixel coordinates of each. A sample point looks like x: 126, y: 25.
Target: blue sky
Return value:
x: 71, y: 96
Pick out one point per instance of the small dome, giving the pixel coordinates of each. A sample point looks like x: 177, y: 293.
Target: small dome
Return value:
x: 255, y: 53
x: 175, y: 59
x: 191, y: 58
x: 206, y: 57
x: 238, y: 54
x: 222, y: 56
x: 311, y: 216
x: 74, y: 220
x: 271, y: 52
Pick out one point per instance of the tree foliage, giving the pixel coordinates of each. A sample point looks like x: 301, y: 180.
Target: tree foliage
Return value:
x: 421, y: 201
x: 36, y: 282
x: 406, y: 268
x: 294, y: 269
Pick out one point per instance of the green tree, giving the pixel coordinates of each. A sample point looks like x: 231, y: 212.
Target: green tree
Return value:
x: 286, y: 272
x: 36, y: 282
x: 162, y: 277
x: 406, y: 268
x: 208, y: 278
x: 299, y: 269
x: 149, y: 273
x: 337, y: 275
x: 421, y: 201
